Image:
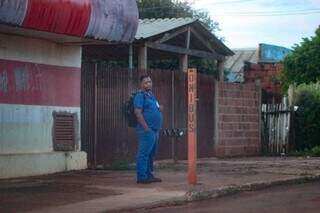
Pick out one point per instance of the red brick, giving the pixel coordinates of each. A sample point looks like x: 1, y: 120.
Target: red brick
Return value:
x: 252, y: 134
x: 255, y: 67
x: 232, y: 141
x: 231, y: 134
x: 252, y: 150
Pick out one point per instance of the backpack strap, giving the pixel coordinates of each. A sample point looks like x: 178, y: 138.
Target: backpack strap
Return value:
x: 144, y: 96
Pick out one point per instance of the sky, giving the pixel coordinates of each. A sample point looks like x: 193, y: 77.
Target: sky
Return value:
x: 246, y: 23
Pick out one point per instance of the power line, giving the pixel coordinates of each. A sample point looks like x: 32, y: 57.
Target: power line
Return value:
x: 231, y: 2
x: 212, y: 3
x: 260, y: 13
x: 277, y: 11
x: 279, y: 14
x: 282, y: 13
x: 273, y: 13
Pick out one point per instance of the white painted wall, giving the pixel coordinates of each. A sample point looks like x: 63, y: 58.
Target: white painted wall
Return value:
x: 39, y: 51
x: 20, y: 165
x: 28, y: 128
x: 26, y: 142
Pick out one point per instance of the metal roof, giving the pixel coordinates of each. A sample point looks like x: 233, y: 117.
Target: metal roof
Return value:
x: 148, y: 28
x: 266, y: 53
x: 272, y: 53
x: 235, y: 63
x: 151, y: 27
x: 98, y: 19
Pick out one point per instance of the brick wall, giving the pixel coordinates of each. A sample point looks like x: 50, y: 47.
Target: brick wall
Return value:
x: 238, y: 124
x: 268, y: 75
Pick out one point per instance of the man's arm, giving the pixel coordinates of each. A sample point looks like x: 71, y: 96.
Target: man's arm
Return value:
x: 140, y: 119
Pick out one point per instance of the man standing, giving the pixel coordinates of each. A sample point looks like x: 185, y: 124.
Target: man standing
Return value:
x: 149, y: 117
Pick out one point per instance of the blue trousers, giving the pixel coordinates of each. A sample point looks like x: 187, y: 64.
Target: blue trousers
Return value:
x: 147, y: 148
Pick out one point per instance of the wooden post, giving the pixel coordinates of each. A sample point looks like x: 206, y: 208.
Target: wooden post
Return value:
x: 290, y: 95
x: 192, y: 126
x: 183, y: 63
x: 221, y: 70
x: 130, y: 57
x: 216, y: 115
x: 143, y: 58
x: 184, y: 58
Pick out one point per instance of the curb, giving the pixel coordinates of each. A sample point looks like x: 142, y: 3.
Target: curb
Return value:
x: 197, y: 194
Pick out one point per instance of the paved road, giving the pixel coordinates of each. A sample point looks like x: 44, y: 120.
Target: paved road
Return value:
x: 304, y: 198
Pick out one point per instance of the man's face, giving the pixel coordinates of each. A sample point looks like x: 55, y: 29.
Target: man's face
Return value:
x: 146, y: 84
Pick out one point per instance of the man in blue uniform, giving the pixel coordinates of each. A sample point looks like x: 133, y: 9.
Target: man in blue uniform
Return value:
x: 149, y: 117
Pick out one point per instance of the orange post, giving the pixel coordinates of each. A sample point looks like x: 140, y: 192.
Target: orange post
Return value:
x: 192, y: 126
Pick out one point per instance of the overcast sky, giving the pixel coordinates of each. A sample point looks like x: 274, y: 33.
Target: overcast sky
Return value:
x: 246, y: 23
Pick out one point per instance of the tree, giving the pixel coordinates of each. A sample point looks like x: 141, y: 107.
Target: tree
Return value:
x: 303, y: 64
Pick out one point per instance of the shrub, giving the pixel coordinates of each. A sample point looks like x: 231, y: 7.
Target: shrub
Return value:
x: 307, y: 117
x: 315, y: 151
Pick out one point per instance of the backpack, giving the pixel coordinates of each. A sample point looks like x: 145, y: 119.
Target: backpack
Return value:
x: 129, y: 111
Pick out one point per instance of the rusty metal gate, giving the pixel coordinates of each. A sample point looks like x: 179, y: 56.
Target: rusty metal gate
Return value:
x: 105, y: 135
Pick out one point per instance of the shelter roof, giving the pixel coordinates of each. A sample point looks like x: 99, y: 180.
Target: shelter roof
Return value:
x: 149, y: 28
x: 152, y: 27
x: 166, y: 38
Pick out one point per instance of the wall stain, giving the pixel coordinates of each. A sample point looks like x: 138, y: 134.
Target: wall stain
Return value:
x: 4, y: 82
x: 22, y: 78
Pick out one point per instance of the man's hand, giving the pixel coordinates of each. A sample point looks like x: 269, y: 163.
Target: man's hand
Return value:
x: 140, y: 119
x: 161, y: 108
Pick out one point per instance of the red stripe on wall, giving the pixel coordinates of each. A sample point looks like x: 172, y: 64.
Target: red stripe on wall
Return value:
x: 39, y: 84
x: 58, y: 16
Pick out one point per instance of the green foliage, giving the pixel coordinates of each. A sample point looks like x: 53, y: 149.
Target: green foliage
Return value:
x: 315, y: 151
x: 307, y: 117
x: 204, y: 66
x: 303, y: 64
x: 174, y: 9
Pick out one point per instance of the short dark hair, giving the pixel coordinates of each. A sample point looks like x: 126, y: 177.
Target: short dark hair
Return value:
x: 144, y: 77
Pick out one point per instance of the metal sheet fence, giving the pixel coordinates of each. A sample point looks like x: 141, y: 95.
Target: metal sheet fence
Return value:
x: 205, y: 115
x: 105, y: 134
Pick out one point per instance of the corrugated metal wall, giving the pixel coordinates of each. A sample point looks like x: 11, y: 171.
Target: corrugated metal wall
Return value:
x: 205, y: 115
x: 116, y: 142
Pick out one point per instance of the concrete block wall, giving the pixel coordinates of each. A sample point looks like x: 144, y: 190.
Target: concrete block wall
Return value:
x: 237, y: 131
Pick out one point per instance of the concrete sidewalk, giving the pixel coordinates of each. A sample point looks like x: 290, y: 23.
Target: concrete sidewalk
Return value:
x: 113, y: 191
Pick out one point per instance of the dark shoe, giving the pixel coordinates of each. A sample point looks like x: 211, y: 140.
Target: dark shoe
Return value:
x: 147, y: 181
x: 154, y: 179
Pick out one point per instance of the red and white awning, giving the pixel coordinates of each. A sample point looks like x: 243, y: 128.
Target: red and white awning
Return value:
x: 98, y: 19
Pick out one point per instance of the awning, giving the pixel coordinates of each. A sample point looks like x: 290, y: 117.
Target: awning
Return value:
x: 109, y: 20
